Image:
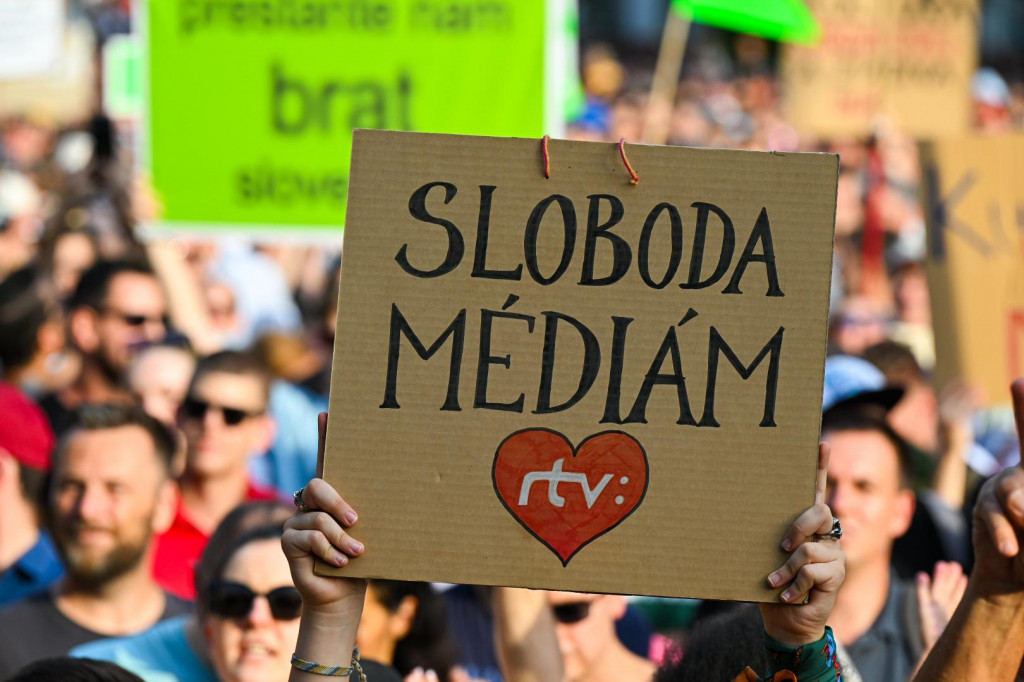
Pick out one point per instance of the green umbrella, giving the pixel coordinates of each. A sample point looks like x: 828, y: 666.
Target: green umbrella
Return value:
x: 784, y: 20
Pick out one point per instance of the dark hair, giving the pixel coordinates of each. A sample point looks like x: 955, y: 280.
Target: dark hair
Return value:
x: 856, y: 418
x: 94, y: 286
x: 33, y: 485
x: 233, y: 362
x: 24, y: 308
x: 111, y: 416
x: 720, y: 647
x: 242, y: 522
x: 67, y: 669
x: 896, y: 361
x: 428, y: 644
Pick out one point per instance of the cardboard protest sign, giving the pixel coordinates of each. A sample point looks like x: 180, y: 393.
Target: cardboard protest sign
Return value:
x: 251, y: 104
x: 974, y: 210
x: 905, y: 60
x: 577, y: 382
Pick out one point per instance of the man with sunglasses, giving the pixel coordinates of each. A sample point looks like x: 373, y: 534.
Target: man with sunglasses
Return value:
x: 225, y: 422
x: 585, y: 629
x: 111, y: 491
x: 117, y: 307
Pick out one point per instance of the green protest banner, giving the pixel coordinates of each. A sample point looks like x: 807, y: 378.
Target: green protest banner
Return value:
x: 251, y: 104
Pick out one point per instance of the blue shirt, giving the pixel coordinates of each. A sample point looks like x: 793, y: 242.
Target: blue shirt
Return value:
x: 35, y: 571
x: 160, y: 654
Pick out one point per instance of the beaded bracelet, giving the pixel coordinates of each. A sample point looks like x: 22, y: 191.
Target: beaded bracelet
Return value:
x: 330, y: 670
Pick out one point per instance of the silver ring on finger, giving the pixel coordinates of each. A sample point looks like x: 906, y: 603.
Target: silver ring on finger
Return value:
x: 300, y: 504
x: 835, y: 533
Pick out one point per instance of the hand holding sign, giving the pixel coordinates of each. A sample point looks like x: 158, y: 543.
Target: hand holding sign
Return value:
x: 815, y: 571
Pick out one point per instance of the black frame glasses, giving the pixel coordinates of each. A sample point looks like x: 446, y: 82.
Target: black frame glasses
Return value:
x: 196, y: 409
x: 234, y: 600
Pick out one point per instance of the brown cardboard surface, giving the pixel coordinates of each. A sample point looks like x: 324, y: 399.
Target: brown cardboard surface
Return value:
x: 909, y: 61
x: 973, y: 195
x: 675, y: 509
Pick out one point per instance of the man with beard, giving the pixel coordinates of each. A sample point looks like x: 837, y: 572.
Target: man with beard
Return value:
x: 111, y: 491
x: 117, y: 307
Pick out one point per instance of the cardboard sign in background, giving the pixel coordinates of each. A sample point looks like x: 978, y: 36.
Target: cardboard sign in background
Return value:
x: 462, y: 467
x: 974, y: 211
x: 910, y: 61
x: 251, y: 105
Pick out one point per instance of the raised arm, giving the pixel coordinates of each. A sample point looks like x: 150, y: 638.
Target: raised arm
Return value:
x: 524, y: 632
x: 984, y: 641
x: 797, y: 637
x: 331, y: 607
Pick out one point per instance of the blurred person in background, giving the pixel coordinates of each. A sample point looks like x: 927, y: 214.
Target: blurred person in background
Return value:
x: 28, y: 560
x: 110, y: 492
x: 404, y: 625
x: 991, y: 102
x: 585, y: 629
x: 298, y: 394
x: 65, y: 669
x: 20, y: 218
x: 176, y: 650
x: 67, y: 254
x: 116, y: 308
x: 33, y: 353
x: 858, y: 322
x: 158, y: 375
x: 225, y: 422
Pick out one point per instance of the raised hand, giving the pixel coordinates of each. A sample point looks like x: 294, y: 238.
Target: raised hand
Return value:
x: 814, y: 572
x: 938, y: 597
x: 999, y: 518
x: 318, y: 530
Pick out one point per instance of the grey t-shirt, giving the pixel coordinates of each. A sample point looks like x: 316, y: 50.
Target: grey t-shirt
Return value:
x: 890, y: 649
x: 33, y: 629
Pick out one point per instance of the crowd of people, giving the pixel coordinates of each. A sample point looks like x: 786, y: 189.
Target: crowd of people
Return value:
x: 159, y: 403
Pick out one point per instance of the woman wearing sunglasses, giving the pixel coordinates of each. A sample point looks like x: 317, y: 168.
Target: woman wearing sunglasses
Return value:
x: 797, y: 637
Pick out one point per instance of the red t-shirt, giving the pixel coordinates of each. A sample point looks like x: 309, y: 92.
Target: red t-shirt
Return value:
x: 178, y: 550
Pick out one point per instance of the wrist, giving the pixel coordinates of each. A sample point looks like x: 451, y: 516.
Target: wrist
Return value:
x: 815, y: 661
x: 792, y: 641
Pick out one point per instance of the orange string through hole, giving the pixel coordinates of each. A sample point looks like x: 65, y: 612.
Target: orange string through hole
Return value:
x: 547, y: 157
x: 634, y: 179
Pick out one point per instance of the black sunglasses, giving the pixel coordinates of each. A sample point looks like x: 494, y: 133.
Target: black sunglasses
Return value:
x: 196, y: 409
x: 234, y: 600
x: 138, y: 320
x: 573, y: 612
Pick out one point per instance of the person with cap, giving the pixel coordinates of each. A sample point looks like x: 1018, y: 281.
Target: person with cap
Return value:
x: 877, y: 617
x: 28, y: 559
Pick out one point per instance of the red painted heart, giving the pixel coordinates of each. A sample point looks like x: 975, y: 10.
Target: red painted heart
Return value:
x: 567, y: 497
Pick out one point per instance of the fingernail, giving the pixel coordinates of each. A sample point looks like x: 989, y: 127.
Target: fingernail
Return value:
x: 773, y: 580
x: 351, y: 518
x: 357, y: 547
x: 787, y: 595
x: 1006, y: 549
x: 787, y: 544
x: 340, y: 559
